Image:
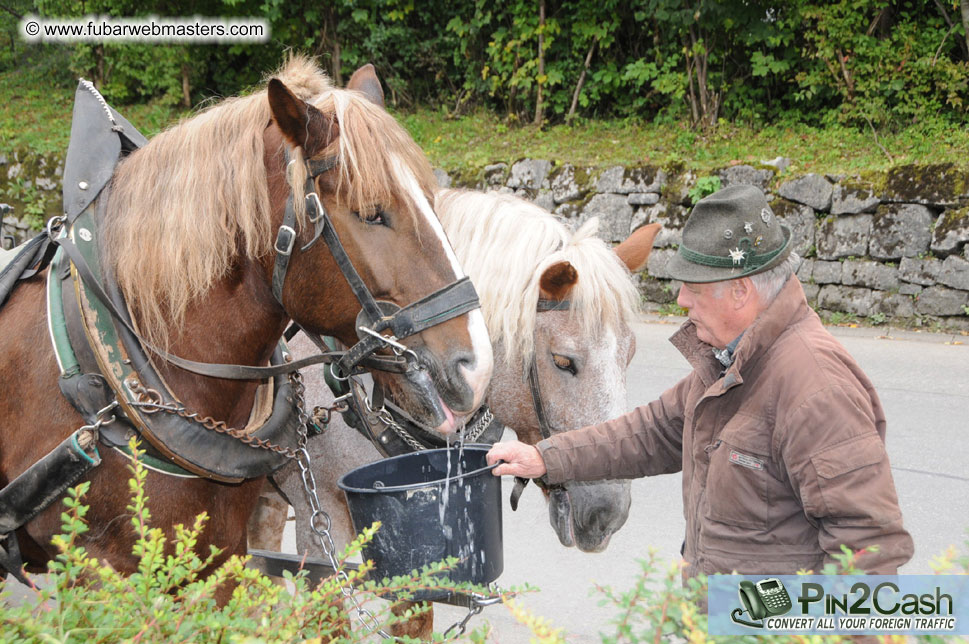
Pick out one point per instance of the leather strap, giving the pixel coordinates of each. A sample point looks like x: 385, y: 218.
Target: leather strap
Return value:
x: 213, y: 369
x: 286, y: 235
x: 537, y: 402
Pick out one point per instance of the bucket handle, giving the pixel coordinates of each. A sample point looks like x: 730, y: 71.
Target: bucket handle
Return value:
x: 416, y: 486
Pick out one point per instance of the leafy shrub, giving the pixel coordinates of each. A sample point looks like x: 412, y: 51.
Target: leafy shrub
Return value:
x: 168, y: 599
x: 703, y: 187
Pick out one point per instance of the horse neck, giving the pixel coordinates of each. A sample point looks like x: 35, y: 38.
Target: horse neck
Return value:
x: 236, y: 322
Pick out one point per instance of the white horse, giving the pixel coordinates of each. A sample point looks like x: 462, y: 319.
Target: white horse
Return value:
x: 517, y: 255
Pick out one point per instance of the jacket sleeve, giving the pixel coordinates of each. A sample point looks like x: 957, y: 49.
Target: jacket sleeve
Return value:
x: 838, y: 465
x: 643, y: 442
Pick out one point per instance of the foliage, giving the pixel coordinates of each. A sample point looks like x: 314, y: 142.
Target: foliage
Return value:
x: 871, y: 64
x: 704, y: 186
x: 881, y: 63
x: 171, y: 594
x: 33, y: 201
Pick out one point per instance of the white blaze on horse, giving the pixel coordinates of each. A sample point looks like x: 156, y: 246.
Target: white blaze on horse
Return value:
x: 558, y: 305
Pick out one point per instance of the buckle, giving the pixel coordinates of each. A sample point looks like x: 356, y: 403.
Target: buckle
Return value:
x: 313, y: 205
x: 287, y: 247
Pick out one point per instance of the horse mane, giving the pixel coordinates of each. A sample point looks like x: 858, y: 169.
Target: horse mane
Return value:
x: 184, y: 208
x: 505, y: 243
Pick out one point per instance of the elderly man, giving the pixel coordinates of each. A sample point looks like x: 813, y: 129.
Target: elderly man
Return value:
x: 779, y: 434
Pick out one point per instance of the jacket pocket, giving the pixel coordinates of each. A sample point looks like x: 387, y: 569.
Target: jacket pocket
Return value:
x: 852, y: 478
x: 737, y: 482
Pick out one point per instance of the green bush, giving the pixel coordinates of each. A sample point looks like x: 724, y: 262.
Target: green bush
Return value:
x: 866, y: 63
x: 168, y: 599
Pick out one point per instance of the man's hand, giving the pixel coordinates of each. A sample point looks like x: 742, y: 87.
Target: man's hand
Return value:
x: 519, y: 460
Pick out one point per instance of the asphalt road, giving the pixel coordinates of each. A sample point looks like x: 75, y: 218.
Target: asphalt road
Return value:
x: 923, y: 380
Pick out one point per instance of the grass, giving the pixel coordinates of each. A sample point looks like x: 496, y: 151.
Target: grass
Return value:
x: 35, y: 115
x: 483, y: 138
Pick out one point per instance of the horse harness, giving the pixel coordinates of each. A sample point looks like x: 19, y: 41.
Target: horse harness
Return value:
x: 393, y: 432
x: 105, y: 370
x: 538, y: 403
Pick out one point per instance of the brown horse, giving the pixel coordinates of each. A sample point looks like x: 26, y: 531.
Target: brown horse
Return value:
x: 518, y: 255
x: 190, y: 225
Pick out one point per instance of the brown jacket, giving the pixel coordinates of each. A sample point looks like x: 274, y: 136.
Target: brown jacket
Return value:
x: 783, y: 455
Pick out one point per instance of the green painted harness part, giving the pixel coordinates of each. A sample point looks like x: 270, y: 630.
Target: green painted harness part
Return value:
x: 69, y: 364
x: 55, y: 318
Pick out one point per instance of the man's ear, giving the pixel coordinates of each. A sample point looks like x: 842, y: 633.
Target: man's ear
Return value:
x: 742, y: 292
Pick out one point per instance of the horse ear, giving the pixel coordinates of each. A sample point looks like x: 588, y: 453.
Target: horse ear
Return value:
x: 365, y: 81
x: 301, y: 124
x: 635, y: 250
x: 557, y: 280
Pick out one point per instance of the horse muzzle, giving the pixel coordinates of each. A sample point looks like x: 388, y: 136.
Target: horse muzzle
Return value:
x: 587, y: 514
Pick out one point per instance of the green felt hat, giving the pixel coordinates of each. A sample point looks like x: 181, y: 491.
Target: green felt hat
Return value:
x: 731, y: 233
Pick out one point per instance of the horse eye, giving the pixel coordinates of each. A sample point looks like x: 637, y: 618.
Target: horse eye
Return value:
x: 564, y: 363
x: 373, y: 217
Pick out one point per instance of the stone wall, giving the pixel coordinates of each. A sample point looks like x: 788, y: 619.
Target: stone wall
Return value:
x: 880, y: 245
x: 32, y: 180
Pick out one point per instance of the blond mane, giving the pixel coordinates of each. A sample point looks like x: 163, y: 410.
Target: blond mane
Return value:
x: 184, y: 208
x: 505, y: 243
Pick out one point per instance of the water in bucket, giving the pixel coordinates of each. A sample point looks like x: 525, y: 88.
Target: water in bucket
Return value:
x: 431, y: 505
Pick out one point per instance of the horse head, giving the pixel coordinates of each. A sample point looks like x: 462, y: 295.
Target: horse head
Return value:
x: 558, y: 307
x: 378, y: 198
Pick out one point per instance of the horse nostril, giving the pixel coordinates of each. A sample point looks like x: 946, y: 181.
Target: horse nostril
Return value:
x: 460, y: 365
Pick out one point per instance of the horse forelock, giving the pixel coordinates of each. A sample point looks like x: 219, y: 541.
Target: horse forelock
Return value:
x: 376, y: 156
x: 505, y: 244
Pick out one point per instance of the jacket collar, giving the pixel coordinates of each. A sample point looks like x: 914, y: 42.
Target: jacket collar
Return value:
x: 789, y: 305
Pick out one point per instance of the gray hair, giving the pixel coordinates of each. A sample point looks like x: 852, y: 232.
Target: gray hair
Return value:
x: 769, y: 283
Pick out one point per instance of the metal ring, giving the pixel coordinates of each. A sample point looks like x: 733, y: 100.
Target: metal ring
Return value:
x: 54, y: 225
x: 333, y: 373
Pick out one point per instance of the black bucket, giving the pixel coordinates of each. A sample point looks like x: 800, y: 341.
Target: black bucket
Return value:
x: 431, y: 505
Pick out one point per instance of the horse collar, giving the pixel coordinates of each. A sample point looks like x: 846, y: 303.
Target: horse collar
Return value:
x: 101, y: 348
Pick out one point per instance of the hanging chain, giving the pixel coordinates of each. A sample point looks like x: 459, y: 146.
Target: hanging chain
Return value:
x: 476, y: 430
x: 320, y: 524
x: 150, y: 401
x: 384, y: 416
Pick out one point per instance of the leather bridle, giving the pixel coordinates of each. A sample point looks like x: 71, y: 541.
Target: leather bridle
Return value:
x: 444, y: 304
x: 376, y: 316
x: 538, y: 403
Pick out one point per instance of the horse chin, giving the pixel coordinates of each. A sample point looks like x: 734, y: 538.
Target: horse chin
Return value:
x: 586, y: 515
x: 418, y: 396
x: 560, y: 516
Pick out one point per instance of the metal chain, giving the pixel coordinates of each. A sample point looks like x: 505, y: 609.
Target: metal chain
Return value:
x: 385, y: 417
x: 150, y: 402
x: 471, y: 435
x: 320, y: 524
